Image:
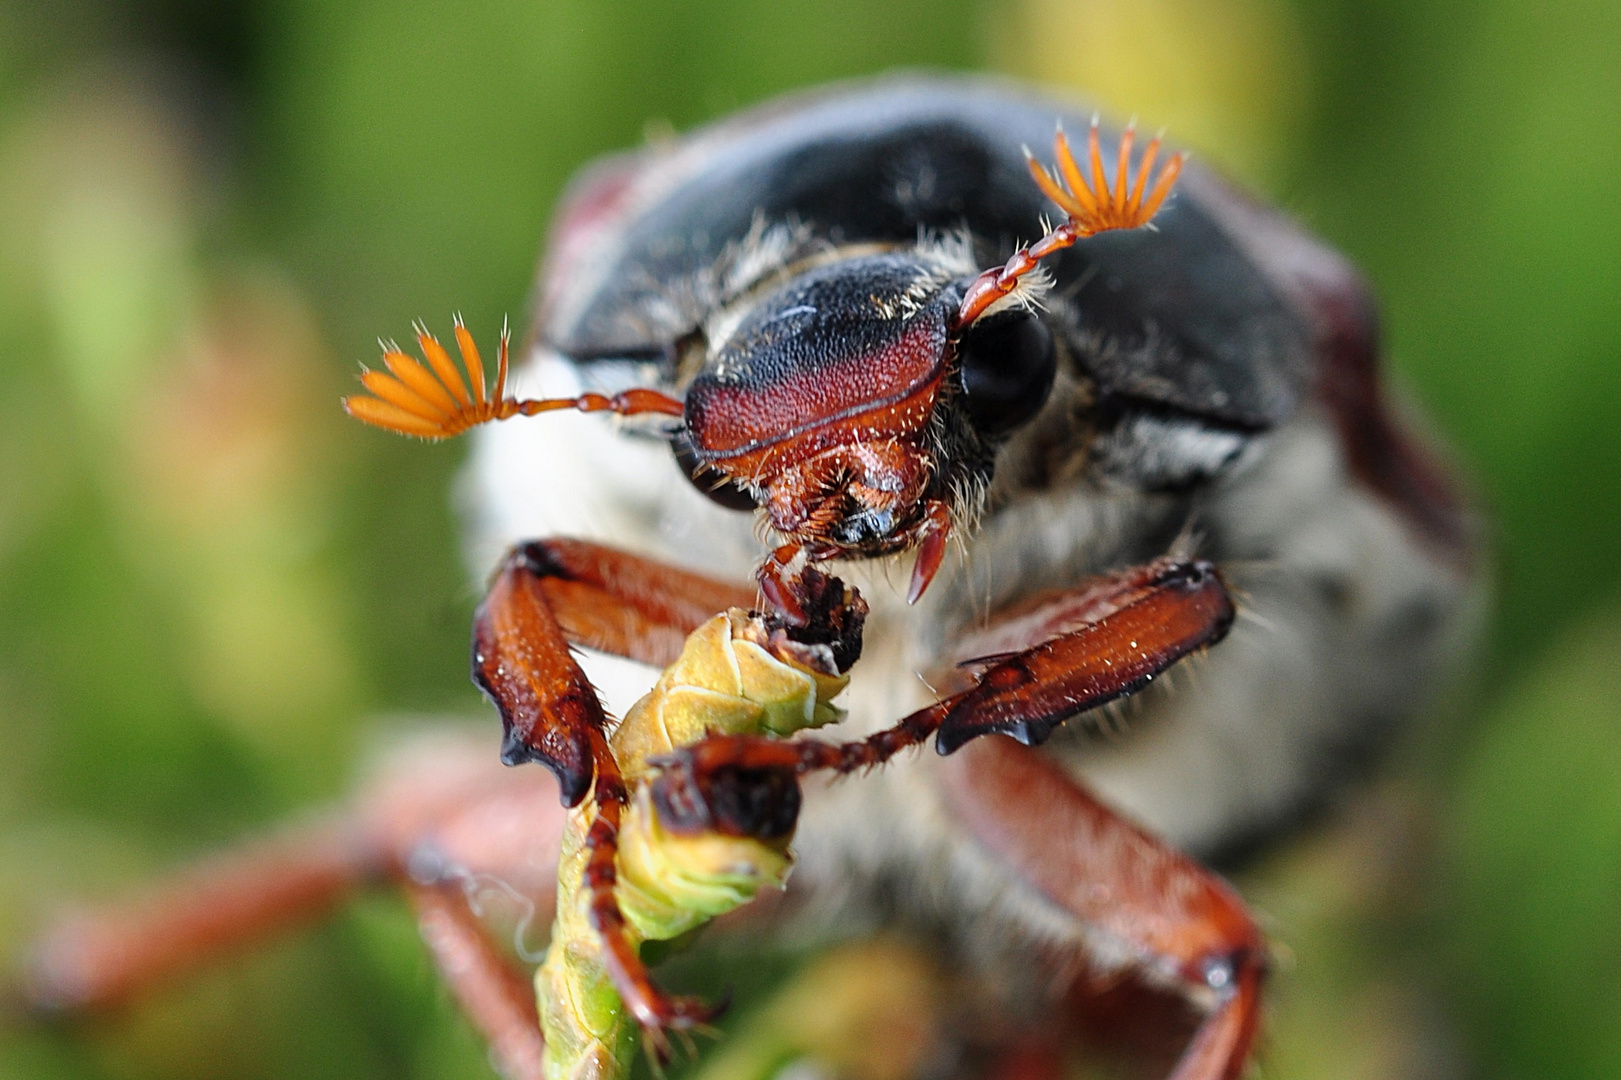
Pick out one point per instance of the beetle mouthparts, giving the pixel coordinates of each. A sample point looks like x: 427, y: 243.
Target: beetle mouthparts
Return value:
x: 931, y: 552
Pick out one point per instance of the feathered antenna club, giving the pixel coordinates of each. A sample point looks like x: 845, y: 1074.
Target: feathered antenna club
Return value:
x: 435, y: 402
x: 1091, y: 204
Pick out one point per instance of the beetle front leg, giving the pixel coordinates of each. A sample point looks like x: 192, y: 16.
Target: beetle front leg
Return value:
x: 550, y: 713
x: 1075, y: 651
x: 551, y: 593
x: 546, y: 595
x: 1117, y: 879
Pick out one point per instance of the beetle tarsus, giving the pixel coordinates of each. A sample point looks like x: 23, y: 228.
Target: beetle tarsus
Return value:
x: 655, y: 1011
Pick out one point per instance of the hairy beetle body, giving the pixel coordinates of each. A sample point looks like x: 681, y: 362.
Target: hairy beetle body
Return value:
x: 1213, y: 384
x: 825, y: 342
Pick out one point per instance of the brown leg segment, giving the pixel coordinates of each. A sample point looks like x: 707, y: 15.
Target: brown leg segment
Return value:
x: 546, y: 595
x: 1113, y: 638
x: 442, y: 792
x: 1116, y: 877
x: 498, y: 1000
x: 653, y: 1008
x: 1099, y: 642
x: 550, y: 593
x: 521, y: 660
x: 100, y: 958
x: 625, y: 604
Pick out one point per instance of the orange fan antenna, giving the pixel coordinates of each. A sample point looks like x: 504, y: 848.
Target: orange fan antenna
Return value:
x: 1092, y: 206
x: 433, y: 401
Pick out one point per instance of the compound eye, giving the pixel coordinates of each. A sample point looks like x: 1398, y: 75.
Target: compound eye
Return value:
x: 1008, y: 363
x: 712, y: 482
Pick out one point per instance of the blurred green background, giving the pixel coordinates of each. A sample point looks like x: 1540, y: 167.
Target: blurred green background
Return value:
x: 212, y: 585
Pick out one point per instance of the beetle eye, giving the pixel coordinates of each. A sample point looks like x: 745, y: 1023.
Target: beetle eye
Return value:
x: 712, y: 482
x: 1008, y: 364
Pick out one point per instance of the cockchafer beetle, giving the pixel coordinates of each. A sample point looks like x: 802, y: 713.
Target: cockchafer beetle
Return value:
x: 820, y: 314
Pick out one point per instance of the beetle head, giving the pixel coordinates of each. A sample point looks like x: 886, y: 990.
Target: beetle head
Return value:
x: 823, y: 402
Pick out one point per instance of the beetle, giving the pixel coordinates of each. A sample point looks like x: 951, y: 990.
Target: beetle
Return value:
x: 826, y: 342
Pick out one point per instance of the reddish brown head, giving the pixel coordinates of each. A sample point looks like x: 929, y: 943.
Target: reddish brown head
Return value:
x: 823, y: 403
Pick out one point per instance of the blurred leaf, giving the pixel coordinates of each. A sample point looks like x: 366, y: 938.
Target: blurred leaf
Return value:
x: 1534, y: 882
x: 1484, y: 205
x: 1228, y: 77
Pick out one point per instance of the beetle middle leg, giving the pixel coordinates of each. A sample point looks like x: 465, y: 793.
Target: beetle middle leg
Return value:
x: 1179, y: 920
x: 99, y: 958
x: 440, y: 794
